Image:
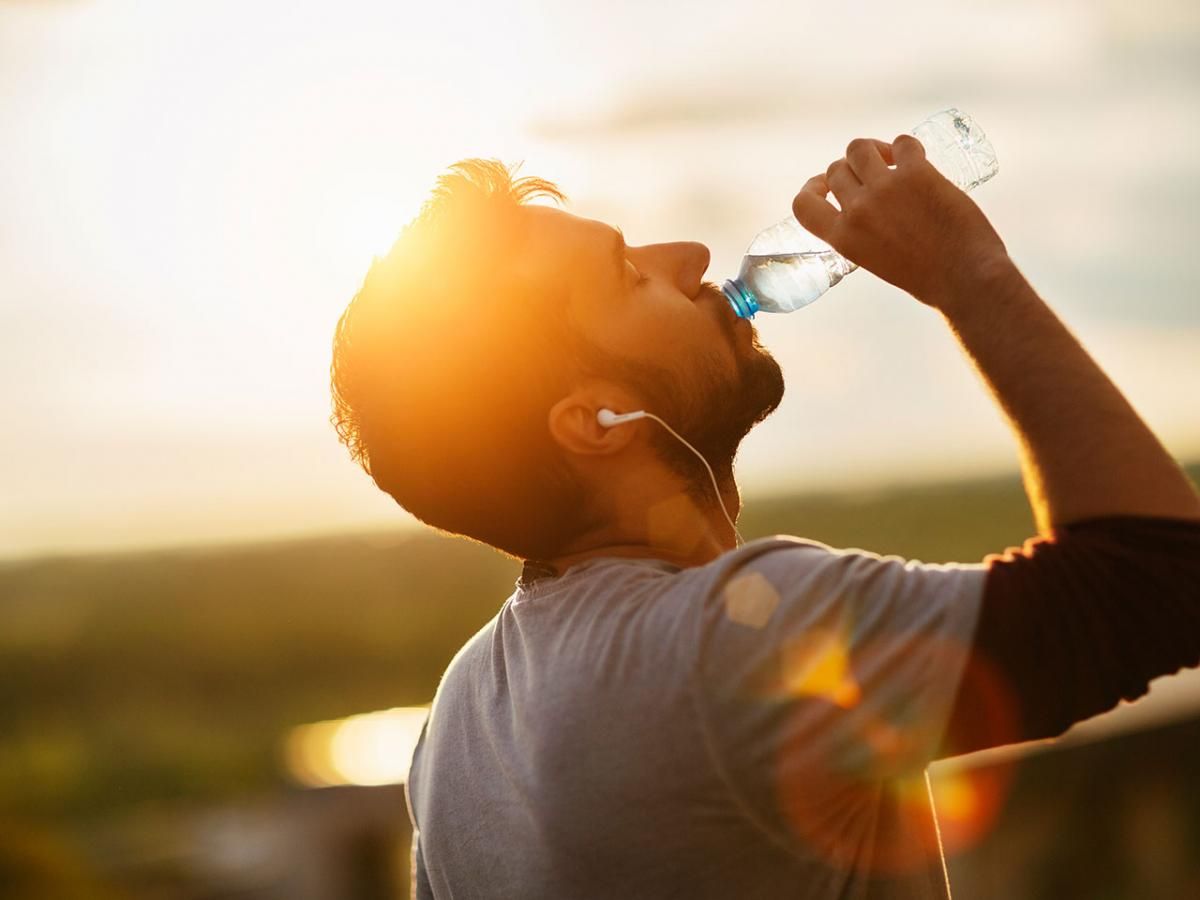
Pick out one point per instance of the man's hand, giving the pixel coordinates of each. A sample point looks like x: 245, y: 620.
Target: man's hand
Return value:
x: 908, y: 224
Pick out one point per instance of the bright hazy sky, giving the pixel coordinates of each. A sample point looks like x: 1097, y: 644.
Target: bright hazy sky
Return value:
x: 191, y: 192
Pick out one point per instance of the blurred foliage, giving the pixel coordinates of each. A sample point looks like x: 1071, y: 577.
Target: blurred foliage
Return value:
x: 952, y: 522
x: 170, y: 676
x: 173, y: 675
x: 36, y: 864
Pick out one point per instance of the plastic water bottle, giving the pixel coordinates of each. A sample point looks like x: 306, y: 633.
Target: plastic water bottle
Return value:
x: 786, y: 268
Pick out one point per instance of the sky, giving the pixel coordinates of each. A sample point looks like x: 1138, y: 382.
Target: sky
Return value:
x: 190, y: 193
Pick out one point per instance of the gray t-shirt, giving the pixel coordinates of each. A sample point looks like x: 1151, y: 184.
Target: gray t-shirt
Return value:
x: 757, y: 727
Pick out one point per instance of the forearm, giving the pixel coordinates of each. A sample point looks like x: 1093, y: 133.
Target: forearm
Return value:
x: 1085, y: 452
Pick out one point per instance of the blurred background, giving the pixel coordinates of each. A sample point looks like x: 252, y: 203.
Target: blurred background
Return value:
x: 217, y: 638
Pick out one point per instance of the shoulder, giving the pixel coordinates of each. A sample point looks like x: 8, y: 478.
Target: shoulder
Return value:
x: 468, y: 661
x: 780, y: 599
x: 803, y: 648
x: 781, y: 567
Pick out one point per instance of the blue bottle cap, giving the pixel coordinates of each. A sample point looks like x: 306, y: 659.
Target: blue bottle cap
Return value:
x: 741, y: 298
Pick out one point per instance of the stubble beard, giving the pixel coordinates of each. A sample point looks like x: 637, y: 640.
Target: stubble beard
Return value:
x: 714, y: 412
x: 724, y: 411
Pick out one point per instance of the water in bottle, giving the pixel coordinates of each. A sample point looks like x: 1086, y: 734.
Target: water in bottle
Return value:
x: 786, y: 268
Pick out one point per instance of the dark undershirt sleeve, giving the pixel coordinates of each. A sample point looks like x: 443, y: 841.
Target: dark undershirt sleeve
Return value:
x: 1072, y: 624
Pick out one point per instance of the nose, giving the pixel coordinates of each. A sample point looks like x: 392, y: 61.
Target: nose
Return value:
x: 685, y: 262
x: 703, y: 256
x: 699, y: 256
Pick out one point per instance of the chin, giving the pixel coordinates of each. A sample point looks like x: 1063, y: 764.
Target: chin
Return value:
x: 734, y: 411
x: 762, y: 384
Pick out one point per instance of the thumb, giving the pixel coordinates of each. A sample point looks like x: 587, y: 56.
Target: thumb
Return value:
x: 907, y: 150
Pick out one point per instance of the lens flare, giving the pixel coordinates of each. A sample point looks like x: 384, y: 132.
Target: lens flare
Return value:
x: 847, y: 769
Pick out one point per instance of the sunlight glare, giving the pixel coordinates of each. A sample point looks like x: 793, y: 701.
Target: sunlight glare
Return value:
x: 367, y: 749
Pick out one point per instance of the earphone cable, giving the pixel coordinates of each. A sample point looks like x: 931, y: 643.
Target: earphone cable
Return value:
x: 737, y: 535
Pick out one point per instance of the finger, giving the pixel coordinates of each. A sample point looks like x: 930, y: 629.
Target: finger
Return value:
x: 907, y: 150
x: 842, y: 181
x: 866, y: 158
x: 812, y: 210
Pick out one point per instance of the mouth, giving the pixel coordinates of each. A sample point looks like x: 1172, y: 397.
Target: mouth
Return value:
x: 727, y: 318
x: 710, y: 291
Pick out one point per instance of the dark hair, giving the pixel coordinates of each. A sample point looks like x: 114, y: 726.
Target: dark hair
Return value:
x: 446, y: 363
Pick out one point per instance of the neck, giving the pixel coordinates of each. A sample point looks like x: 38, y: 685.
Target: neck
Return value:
x: 670, y: 527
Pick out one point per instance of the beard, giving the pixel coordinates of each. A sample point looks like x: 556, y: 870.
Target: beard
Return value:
x: 714, y: 413
x: 710, y: 408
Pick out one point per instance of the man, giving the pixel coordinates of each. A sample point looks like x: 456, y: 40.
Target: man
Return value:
x: 658, y: 711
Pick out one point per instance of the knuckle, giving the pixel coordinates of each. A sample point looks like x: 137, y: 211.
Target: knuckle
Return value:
x: 858, y: 145
x: 864, y: 207
x: 855, y: 210
x: 834, y: 167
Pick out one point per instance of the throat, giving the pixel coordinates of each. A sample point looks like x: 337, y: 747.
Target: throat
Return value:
x: 673, y: 529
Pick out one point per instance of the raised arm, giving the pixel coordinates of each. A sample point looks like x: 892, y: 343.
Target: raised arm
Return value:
x: 1085, y: 452
x: 1108, y: 598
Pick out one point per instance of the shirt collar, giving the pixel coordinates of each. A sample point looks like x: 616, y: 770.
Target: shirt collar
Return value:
x: 535, y: 570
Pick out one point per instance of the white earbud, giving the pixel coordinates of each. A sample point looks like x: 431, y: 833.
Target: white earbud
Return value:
x: 608, y: 418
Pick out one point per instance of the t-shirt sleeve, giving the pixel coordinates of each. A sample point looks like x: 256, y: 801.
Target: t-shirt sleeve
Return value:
x: 821, y: 670
x: 1074, y: 623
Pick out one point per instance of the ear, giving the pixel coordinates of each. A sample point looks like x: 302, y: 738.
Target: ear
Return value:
x: 572, y: 421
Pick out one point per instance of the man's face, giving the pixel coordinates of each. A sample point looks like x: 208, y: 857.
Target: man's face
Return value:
x: 647, y: 319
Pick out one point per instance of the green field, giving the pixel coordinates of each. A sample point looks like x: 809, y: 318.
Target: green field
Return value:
x: 168, y: 678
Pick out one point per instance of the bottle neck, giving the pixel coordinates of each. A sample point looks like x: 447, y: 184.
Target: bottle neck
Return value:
x: 741, y: 298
